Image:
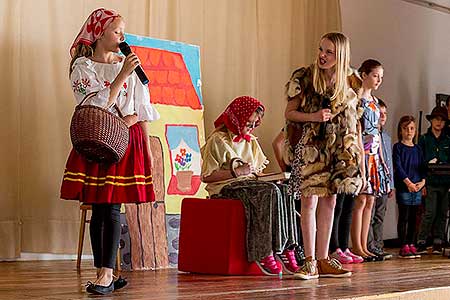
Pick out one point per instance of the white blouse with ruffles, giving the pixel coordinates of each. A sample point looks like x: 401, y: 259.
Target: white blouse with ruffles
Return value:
x: 89, y: 76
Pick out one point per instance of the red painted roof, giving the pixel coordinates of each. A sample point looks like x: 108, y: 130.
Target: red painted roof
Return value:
x: 170, y: 81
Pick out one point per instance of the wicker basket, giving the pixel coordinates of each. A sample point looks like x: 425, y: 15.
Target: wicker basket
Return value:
x: 98, y: 134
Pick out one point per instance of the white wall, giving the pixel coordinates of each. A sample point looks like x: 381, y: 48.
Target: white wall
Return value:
x: 413, y: 44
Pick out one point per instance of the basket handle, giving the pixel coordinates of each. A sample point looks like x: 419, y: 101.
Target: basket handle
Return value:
x: 233, y: 162
x: 238, y: 160
x: 92, y: 94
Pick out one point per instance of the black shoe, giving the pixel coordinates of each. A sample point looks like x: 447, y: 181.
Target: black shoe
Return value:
x: 100, y: 289
x: 119, y: 283
x: 300, y: 255
x: 378, y: 257
x: 368, y: 258
x: 90, y: 284
x: 437, y: 249
x: 422, y: 249
x: 380, y: 252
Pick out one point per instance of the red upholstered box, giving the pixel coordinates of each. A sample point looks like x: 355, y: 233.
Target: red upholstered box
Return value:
x: 212, y: 238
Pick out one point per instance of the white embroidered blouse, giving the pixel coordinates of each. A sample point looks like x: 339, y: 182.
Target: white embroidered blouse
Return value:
x: 90, y: 76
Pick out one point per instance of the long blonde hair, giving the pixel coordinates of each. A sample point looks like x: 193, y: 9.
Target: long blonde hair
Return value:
x: 79, y: 51
x: 342, y: 45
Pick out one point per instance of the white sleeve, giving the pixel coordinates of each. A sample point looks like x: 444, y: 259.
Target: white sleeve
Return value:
x: 144, y: 109
x: 84, y: 81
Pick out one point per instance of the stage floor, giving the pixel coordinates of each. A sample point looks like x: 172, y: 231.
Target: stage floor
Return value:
x: 424, y: 278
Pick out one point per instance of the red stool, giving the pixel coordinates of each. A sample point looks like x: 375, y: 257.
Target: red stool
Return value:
x: 212, y: 238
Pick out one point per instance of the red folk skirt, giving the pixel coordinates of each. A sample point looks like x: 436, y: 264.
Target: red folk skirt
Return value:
x: 128, y: 181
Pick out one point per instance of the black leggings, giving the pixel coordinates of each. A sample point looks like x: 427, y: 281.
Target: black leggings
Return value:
x: 406, y: 225
x: 105, y: 234
x: 341, y: 222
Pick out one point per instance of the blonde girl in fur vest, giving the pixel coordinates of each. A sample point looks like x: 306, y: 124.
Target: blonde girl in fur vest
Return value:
x: 327, y: 156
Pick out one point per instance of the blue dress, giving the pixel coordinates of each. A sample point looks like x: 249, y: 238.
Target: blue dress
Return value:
x: 377, y: 175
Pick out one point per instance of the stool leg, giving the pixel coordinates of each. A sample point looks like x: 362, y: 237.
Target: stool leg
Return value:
x: 118, y: 268
x: 81, y: 237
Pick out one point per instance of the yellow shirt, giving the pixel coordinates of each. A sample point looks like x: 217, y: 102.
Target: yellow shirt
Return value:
x: 220, y: 149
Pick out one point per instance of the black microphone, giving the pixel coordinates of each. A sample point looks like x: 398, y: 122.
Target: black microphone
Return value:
x: 326, y: 103
x: 125, y: 48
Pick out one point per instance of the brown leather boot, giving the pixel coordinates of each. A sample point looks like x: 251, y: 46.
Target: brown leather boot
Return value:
x: 332, y: 268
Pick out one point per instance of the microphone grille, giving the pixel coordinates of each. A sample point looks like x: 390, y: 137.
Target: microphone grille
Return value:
x: 125, y: 48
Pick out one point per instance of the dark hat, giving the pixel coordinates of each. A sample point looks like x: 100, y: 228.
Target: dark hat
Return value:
x: 438, y: 111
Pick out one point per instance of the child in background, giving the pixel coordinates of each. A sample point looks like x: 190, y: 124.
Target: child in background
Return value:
x: 376, y: 172
x: 435, y: 146
x: 375, y: 240
x: 409, y: 180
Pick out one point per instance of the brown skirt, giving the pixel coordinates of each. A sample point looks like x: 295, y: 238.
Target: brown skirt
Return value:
x: 270, y: 216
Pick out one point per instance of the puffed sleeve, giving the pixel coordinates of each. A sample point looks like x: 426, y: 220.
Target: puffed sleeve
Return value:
x: 260, y: 160
x: 144, y: 109
x: 84, y: 81
x: 214, y: 155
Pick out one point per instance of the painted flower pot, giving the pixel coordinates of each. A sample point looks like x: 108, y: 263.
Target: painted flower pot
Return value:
x: 184, y: 180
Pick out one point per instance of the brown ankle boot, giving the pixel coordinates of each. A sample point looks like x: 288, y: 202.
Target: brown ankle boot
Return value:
x: 332, y: 268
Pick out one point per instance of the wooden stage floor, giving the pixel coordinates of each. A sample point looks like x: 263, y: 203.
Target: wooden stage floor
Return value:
x: 424, y: 278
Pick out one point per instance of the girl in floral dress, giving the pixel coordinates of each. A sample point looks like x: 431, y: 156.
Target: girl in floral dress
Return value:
x: 376, y: 171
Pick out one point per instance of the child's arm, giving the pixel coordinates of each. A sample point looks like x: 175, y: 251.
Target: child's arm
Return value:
x: 292, y: 114
x: 221, y: 175
x: 420, y: 184
x: 362, y: 162
x: 411, y: 186
x: 278, y: 148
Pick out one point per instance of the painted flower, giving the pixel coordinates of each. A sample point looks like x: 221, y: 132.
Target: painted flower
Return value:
x: 183, y: 160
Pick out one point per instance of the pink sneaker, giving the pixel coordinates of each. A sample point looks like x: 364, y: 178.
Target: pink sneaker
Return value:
x: 341, y: 257
x: 288, y: 261
x: 413, y: 251
x: 356, y: 258
x: 269, y: 266
x: 405, y: 252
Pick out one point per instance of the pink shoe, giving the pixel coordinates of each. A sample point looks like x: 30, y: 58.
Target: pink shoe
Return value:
x: 413, y: 251
x: 341, y: 257
x: 269, y: 266
x: 405, y: 252
x: 356, y: 258
x: 288, y: 261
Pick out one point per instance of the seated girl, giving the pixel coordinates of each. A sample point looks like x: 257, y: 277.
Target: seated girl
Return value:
x: 270, y: 215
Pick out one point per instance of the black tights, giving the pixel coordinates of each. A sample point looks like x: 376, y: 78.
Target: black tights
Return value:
x: 406, y: 226
x: 105, y: 234
x: 341, y: 222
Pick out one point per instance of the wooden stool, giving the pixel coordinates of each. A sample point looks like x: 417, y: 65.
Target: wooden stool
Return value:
x: 84, y: 208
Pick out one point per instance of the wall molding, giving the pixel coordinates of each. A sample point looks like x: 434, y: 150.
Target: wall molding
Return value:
x: 430, y: 4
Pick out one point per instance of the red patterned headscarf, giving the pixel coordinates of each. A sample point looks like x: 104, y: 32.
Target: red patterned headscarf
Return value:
x: 94, y: 27
x: 237, y: 114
